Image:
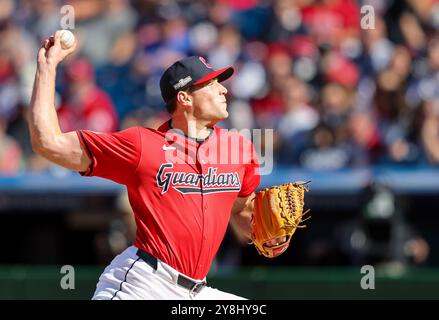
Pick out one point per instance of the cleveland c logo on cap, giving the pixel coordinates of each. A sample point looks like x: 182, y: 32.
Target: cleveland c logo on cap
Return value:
x: 207, y: 64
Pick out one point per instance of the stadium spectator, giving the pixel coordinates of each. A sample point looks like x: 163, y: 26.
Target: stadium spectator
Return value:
x: 85, y: 105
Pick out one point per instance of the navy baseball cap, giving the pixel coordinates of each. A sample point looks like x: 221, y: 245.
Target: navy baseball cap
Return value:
x: 188, y: 72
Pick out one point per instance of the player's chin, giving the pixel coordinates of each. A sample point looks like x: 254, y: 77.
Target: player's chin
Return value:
x: 223, y: 114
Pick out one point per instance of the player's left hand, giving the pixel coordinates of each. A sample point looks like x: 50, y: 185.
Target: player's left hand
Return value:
x: 277, y: 213
x: 276, y: 242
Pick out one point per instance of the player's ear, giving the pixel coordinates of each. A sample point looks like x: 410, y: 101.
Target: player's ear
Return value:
x: 185, y: 99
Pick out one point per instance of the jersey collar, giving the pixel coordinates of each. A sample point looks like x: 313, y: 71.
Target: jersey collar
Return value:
x: 165, y: 127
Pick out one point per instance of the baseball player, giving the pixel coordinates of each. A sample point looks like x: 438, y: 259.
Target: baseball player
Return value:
x: 182, y: 182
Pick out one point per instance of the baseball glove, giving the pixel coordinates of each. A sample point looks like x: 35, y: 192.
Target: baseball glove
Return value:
x: 277, y: 213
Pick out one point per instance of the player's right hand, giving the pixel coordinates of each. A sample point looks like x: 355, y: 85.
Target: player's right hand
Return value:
x: 51, y: 53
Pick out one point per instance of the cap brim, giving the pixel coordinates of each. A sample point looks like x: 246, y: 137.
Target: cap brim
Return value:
x: 221, y: 74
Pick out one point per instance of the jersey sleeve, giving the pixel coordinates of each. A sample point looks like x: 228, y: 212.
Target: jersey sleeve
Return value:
x: 252, y: 175
x: 114, y: 156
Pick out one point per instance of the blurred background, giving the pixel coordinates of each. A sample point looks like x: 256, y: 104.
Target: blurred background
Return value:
x: 355, y: 110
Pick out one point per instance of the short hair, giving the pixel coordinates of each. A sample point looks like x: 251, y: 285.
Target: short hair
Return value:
x: 171, y: 106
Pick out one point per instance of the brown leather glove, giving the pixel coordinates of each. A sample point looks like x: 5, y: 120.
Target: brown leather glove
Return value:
x: 278, y: 211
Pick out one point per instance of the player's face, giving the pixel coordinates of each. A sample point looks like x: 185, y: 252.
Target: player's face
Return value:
x: 209, y: 101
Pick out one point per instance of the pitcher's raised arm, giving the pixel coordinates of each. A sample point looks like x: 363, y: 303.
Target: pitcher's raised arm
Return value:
x: 47, y: 139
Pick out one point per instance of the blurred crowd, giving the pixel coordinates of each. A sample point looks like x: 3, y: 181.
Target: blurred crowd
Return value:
x: 337, y: 95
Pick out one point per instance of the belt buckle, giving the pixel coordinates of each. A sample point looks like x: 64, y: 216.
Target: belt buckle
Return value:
x: 197, y: 287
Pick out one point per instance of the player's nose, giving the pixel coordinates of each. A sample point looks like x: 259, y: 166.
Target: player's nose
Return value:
x: 223, y: 90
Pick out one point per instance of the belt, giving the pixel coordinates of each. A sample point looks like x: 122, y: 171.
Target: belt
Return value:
x: 182, y: 280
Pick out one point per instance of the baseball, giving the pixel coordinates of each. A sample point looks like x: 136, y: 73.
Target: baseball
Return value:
x: 67, y: 39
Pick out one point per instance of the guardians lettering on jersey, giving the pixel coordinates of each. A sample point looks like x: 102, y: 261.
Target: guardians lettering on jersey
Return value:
x: 183, y: 182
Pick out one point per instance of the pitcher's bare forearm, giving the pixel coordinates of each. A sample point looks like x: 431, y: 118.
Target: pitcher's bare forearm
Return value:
x: 47, y: 139
x: 43, y: 120
x: 241, y: 217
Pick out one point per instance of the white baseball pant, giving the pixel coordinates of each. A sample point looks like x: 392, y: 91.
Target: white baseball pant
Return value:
x: 129, y: 277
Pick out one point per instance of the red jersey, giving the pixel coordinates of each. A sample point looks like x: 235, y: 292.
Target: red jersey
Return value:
x: 181, y: 190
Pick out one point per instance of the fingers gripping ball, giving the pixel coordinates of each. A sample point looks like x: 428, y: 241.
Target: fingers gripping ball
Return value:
x: 67, y: 39
x: 277, y: 213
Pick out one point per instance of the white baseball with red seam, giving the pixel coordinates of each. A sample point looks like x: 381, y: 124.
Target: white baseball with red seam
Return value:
x: 67, y: 39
